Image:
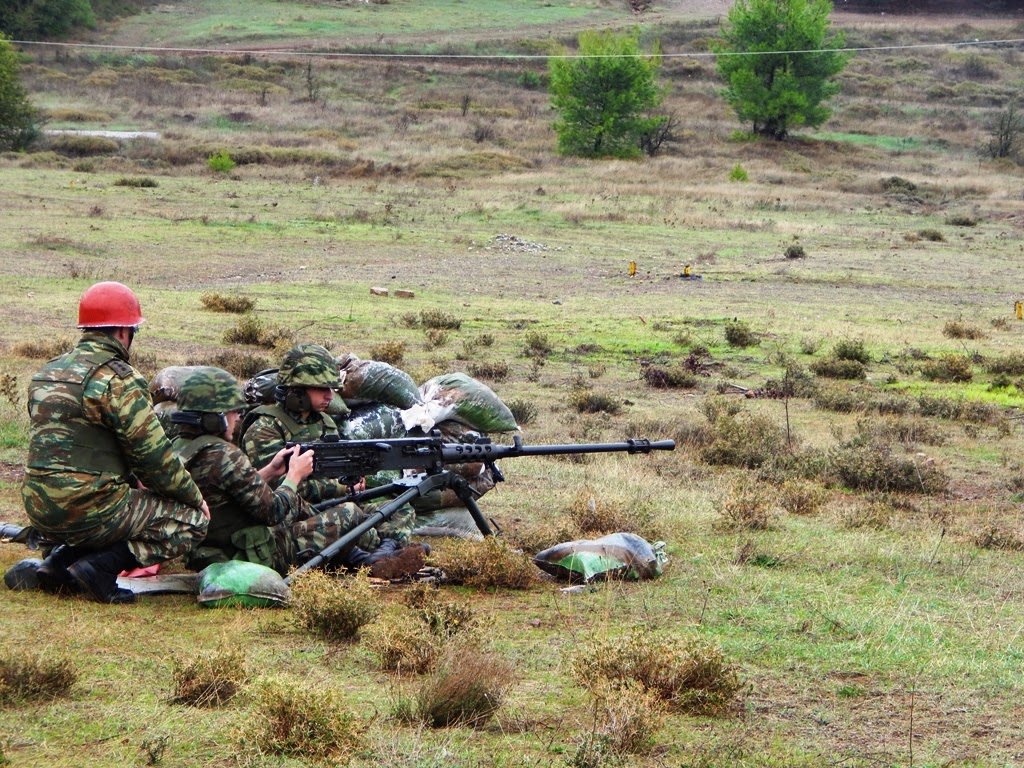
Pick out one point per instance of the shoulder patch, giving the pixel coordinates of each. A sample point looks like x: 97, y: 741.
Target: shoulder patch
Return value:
x: 121, y: 368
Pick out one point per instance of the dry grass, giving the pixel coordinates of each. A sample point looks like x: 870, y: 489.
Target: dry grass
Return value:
x: 390, y: 352
x: 222, y: 302
x: 253, y: 331
x: 302, y: 721
x: 748, y: 506
x: 43, y: 349
x: 209, y: 679
x: 486, y: 564
x: 467, y: 688
x: 332, y: 607
x: 401, y: 642
x: 34, y: 676
x: 688, y: 673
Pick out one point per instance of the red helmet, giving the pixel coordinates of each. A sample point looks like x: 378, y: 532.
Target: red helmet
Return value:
x: 109, y: 305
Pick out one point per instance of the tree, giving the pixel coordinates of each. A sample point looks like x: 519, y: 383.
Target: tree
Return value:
x: 30, y: 19
x: 1006, y: 132
x: 19, y: 120
x: 777, y: 59
x: 606, y: 95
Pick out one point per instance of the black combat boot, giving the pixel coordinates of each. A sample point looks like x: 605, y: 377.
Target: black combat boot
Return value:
x: 96, y: 573
x: 53, y: 573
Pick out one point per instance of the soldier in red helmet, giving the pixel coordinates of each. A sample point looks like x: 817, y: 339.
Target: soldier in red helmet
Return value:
x: 101, y: 481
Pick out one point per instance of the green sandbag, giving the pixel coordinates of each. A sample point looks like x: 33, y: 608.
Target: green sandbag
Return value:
x: 617, y: 555
x: 240, y: 583
x: 371, y: 381
x: 376, y: 421
x: 461, y: 398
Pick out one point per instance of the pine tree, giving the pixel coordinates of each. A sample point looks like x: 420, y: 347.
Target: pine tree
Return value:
x: 19, y: 120
x: 778, y: 60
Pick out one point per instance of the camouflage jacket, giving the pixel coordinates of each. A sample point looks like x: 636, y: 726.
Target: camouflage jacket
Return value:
x: 266, y: 434
x: 238, y: 497
x: 92, y: 431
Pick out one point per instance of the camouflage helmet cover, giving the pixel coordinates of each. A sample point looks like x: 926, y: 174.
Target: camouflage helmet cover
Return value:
x: 308, y: 365
x: 210, y: 390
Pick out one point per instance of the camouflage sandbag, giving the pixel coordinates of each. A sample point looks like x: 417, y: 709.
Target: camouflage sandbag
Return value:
x: 617, y: 555
x: 461, y: 398
x: 260, y: 389
x: 240, y: 583
x: 376, y: 421
x: 370, y: 381
x: 166, y: 384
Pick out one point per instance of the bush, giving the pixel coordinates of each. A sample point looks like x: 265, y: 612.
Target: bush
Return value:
x: 795, y: 251
x: 801, y: 497
x: 220, y: 162
x: 242, y: 363
x: 45, y: 349
x: 738, y: 334
x: 403, y: 643
x: 687, y: 673
x: 334, y: 608
x: 486, y: 564
x: 748, y: 506
x: 302, y: 721
x: 524, y: 411
x: 586, y: 400
x: 957, y: 329
x: 496, y: 371
x: 836, y: 368
x: 251, y: 330
x: 949, y: 368
x: 743, y: 440
x: 738, y: 173
x: 468, y: 688
x: 209, y: 679
x: 221, y: 302
x: 626, y: 718
x: 390, y: 352
x: 71, y: 145
x: 962, y: 220
x: 872, y: 466
x: 20, y: 122
x: 851, y: 349
x: 674, y: 377
x: 136, y: 181
x: 34, y: 676
x: 1011, y: 364
x: 436, y: 318
x: 537, y: 346
x: 932, y: 235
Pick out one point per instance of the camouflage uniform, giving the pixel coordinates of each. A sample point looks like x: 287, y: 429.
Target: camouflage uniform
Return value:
x: 267, y: 428
x: 249, y: 520
x: 92, y: 433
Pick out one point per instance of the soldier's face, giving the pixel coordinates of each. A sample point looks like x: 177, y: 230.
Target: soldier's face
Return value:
x: 320, y: 397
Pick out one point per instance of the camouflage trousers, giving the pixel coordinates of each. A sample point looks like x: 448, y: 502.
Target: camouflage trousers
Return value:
x: 305, y: 534
x: 155, y: 527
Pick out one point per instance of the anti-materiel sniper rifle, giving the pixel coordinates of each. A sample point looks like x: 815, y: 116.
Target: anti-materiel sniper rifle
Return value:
x: 351, y: 460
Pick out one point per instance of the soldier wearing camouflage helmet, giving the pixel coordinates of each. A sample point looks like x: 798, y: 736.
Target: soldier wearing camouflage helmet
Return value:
x: 307, y: 379
x: 248, y: 520
x: 101, y: 481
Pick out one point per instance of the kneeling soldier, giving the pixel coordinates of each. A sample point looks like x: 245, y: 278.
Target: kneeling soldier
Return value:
x: 248, y: 519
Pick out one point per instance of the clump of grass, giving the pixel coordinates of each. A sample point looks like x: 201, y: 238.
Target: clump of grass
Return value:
x: 209, y: 679
x: 34, y: 676
x: 302, y: 721
x: 688, y: 673
x: 837, y: 368
x: 222, y: 302
x: 742, y: 439
x: 873, y: 514
x: 949, y: 368
x: 445, y: 618
x: 467, y: 688
x: 593, y: 513
x: 809, y: 345
x: 908, y: 430
x: 957, y: 329
x: 932, y: 235
x: 524, y: 411
x: 491, y: 371
x: 242, y: 363
x: 403, y: 643
x: 136, y: 181
x: 1000, y: 536
x: 802, y: 497
x: 437, y: 318
x: 434, y: 338
x: 738, y: 334
x: 537, y: 346
x: 873, y: 466
x: 626, y: 719
x: 795, y: 251
x: 410, y: 320
x: 749, y: 506
x: 851, y: 349
x: 1011, y: 364
x: 253, y: 331
x: 486, y: 564
x: 586, y: 400
x: 535, y: 536
x: 390, y: 352
x: 44, y: 349
x: 334, y: 608
x: 669, y: 377
x: 962, y: 220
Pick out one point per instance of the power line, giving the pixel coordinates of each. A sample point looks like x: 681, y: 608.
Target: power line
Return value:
x: 493, y: 56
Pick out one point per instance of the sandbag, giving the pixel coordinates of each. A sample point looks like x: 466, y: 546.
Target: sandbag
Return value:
x: 167, y: 382
x: 371, y: 381
x: 456, y: 522
x: 461, y: 398
x: 240, y: 583
x: 376, y: 421
x: 617, y: 555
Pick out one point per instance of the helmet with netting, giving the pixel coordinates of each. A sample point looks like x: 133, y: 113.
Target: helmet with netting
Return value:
x: 210, y: 390
x: 308, y: 365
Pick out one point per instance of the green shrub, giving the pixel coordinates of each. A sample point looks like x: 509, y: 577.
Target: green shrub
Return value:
x: 436, y: 318
x: 962, y: 220
x: 738, y: 173
x: 537, y: 346
x: 749, y: 506
x: 252, y: 330
x: 872, y: 466
x: 220, y: 162
x: 586, y: 400
x: 222, y: 302
x: 743, y: 440
x: 665, y: 377
x: 795, y: 251
x: 932, y: 235
x: 491, y: 371
x: 837, y: 368
x: 485, y: 564
x: 334, y: 608
x: 851, y: 349
x: 1011, y: 364
x: 949, y: 368
x: 957, y: 329
x: 801, y: 497
x: 71, y: 145
x: 738, y: 334
x: 390, y: 352
x: 524, y: 411
x: 136, y: 181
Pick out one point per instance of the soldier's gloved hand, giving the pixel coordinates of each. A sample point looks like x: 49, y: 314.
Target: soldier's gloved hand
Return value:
x: 300, y: 465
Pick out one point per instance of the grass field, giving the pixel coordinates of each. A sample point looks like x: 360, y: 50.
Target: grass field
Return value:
x: 879, y: 625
